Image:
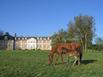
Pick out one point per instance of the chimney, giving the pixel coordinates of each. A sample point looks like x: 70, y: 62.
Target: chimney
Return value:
x: 15, y: 35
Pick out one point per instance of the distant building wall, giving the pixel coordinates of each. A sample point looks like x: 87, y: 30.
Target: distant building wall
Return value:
x: 31, y: 43
x: 23, y: 43
x: 10, y: 44
x: 6, y: 44
x: 44, y: 43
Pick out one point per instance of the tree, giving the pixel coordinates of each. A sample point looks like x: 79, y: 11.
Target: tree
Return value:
x: 99, y: 41
x: 83, y: 28
x: 71, y: 30
x: 80, y: 30
x: 59, y: 37
x: 99, y: 44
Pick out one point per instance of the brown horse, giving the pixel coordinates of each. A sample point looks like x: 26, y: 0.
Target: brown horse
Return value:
x: 71, y: 49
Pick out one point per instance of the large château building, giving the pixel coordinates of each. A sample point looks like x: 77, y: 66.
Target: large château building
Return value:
x: 9, y: 42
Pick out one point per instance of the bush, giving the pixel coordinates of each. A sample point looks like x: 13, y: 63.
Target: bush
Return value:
x: 96, y: 47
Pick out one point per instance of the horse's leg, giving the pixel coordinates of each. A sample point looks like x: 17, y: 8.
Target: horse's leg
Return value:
x: 50, y: 58
x: 56, y: 58
x: 76, y: 59
x: 77, y: 62
x: 62, y: 58
x: 68, y: 60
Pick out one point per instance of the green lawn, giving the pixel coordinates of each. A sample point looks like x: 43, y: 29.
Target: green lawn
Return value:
x: 34, y: 64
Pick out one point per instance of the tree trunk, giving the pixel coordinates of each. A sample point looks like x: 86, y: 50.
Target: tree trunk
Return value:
x: 82, y: 44
x: 85, y: 42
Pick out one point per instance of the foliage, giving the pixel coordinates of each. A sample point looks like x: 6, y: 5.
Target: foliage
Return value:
x: 71, y: 30
x: 34, y: 64
x: 95, y: 47
x: 82, y: 29
x: 98, y: 45
x: 99, y: 41
x: 59, y: 37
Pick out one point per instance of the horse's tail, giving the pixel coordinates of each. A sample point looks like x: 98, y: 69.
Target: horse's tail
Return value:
x: 81, y: 54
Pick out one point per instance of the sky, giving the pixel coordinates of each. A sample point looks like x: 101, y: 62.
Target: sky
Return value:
x: 45, y: 17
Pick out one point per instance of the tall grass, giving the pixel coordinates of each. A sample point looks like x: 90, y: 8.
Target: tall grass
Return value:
x: 34, y: 64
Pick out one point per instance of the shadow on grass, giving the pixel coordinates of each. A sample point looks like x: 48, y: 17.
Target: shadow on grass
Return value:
x: 88, y: 61
x: 82, y: 62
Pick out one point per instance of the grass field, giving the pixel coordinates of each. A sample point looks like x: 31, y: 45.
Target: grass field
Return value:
x: 34, y: 64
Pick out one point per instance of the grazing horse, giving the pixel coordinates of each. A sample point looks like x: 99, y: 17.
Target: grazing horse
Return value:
x: 71, y: 49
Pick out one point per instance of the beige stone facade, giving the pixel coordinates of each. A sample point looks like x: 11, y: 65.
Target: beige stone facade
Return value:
x: 29, y: 43
x: 6, y: 44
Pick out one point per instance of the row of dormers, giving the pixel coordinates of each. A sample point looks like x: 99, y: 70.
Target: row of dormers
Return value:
x: 37, y: 38
x: 7, y: 36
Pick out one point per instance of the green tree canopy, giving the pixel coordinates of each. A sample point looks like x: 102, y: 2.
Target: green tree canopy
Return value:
x: 82, y: 29
x: 59, y: 37
x: 99, y: 41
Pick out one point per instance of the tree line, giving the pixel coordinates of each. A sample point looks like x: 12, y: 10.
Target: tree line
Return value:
x: 81, y: 30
